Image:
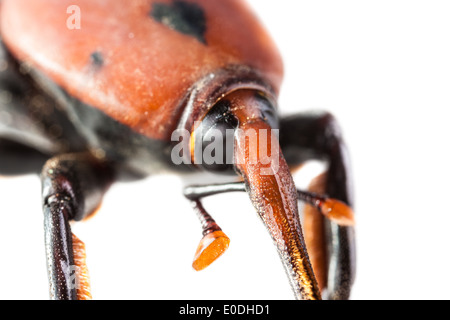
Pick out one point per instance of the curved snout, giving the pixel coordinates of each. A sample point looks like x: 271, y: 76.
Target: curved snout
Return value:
x: 258, y: 158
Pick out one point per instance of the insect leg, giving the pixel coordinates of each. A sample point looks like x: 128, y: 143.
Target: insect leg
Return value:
x: 317, y: 136
x: 72, y: 188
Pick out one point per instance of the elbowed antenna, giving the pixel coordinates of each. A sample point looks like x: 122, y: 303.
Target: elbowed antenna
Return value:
x: 333, y: 209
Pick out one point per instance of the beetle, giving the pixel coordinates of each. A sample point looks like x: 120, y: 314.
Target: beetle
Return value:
x: 160, y: 85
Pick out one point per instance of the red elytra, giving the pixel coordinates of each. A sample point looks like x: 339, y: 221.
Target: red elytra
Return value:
x: 148, y: 67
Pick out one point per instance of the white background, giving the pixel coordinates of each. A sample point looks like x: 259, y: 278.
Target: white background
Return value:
x: 383, y: 68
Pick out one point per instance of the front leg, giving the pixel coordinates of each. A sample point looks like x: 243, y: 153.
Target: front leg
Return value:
x: 72, y: 188
x: 317, y: 136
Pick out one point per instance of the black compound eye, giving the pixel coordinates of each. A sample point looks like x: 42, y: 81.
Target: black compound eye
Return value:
x: 214, y: 139
x: 220, y: 117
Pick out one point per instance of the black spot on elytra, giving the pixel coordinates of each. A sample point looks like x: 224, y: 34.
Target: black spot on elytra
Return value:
x: 97, y: 59
x: 184, y: 17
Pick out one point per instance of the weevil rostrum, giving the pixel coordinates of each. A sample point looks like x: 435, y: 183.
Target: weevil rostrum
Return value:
x: 180, y: 86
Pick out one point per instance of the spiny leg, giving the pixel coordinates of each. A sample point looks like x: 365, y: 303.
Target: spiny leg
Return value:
x: 316, y: 136
x: 72, y: 188
x: 315, y: 237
